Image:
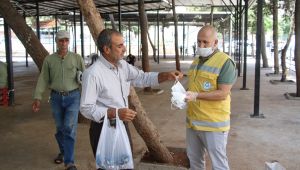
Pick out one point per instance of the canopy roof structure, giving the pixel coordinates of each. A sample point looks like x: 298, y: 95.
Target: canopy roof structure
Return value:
x: 63, y: 7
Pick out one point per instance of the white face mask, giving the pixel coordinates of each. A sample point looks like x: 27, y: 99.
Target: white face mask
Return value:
x: 204, y: 52
x: 178, y: 96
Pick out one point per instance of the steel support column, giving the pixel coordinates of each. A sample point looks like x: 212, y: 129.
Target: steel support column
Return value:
x: 245, y: 46
x: 138, y: 41
x: 54, y: 43
x: 157, y: 19
x: 81, y: 35
x: 257, y: 62
x: 120, y: 16
x: 212, y: 15
x: 183, y: 37
x: 129, y: 38
x: 26, y: 53
x: 8, y: 52
x: 56, y: 23
x: 75, y: 39
x: 239, y: 7
x: 236, y: 26
x: 230, y: 35
x: 38, y: 21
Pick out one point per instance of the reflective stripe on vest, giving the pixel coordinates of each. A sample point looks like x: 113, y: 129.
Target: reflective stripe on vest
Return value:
x: 205, y: 68
x: 210, y: 124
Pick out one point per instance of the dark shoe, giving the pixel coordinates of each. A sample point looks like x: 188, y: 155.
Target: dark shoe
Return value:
x: 71, y: 167
x: 59, y: 159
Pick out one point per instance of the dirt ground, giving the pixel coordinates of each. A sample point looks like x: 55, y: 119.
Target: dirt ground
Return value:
x: 27, y: 139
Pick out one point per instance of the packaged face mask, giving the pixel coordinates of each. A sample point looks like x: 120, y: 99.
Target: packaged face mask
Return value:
x: 178, y: 96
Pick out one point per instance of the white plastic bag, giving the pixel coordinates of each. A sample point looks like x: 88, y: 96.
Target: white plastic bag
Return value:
x: 114, y: 151
x: 274, y: 165
x: 178, y: 96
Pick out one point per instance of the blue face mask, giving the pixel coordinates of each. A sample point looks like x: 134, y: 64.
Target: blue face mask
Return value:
x: 204, y: 52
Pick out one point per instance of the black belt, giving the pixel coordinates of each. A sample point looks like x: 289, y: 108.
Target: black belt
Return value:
x: 64, y: 93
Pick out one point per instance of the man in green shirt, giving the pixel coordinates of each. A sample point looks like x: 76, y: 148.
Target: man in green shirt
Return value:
x: 3, y: 74
x: 59, y: 73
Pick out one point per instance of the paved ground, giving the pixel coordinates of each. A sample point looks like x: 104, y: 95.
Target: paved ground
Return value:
x: 27, y: 141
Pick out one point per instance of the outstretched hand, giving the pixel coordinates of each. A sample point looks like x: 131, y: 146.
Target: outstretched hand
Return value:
x: 172, y: 75
x: 175, y: 75
x: 36, y: 105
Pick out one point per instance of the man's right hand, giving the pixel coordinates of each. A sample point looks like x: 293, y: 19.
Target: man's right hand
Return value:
x: 36, y: 105
x: 126, y: 114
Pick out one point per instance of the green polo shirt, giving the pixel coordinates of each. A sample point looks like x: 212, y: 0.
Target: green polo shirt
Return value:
x: 3, y: 74
x: 59, y: 73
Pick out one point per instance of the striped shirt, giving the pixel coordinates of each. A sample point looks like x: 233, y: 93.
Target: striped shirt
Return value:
x: 106, y: 86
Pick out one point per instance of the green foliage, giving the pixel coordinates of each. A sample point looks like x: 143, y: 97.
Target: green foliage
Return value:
x: 222, y: 24
x: 252, y: 18
x: 199, y: 8
x: 287, y: 8
x: 284, y: 26
x: 135, y: 29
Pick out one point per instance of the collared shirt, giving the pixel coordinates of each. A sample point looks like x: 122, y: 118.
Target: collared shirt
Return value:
x: 106, y: 86
x: 3, y: 74
x: 59, y: 73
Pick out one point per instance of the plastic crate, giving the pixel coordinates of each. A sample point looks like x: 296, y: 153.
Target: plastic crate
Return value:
x: 4, y: 96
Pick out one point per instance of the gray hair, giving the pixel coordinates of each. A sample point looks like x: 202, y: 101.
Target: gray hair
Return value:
x: 104, y: 38
x: 210, y: 28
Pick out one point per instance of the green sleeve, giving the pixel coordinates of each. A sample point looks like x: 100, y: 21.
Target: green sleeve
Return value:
x: 228, y: 73
x: 82, y: 66
x: 3, y: 74
x: 43, y: 81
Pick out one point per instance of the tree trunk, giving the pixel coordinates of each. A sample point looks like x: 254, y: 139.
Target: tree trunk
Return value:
x: 275, y: 36
x: 297, y: 45
x: 92, y: 17
x: 223, y: 40
x: 284, y: 51
x: 148, y: 131
x: 263, y: 47
x: 112, y: 20
x: 144, y: 27
x: 163, y: 39
x: 153, y: 46
x: 176, y: 36
x: 25, y: 34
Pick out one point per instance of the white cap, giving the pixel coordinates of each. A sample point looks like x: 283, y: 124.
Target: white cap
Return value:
x: 62, y: 34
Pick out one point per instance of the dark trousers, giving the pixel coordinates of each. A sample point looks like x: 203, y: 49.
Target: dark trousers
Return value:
x: 95, y: 131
